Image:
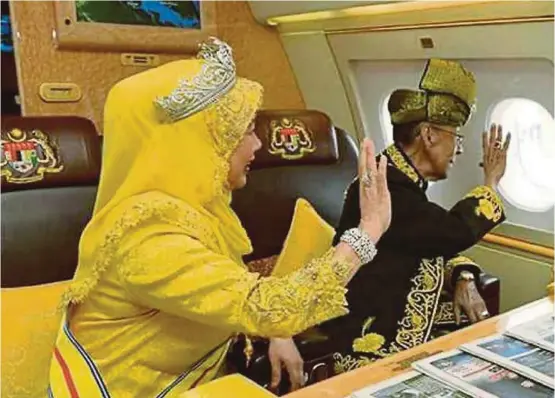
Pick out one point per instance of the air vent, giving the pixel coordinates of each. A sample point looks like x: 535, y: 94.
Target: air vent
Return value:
x: 426, y: 42
x: 59, y: 92
x: 139, y: 59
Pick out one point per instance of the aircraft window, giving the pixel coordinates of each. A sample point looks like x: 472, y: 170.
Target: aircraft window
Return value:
x: 385, y: 121
x: 528, y: 182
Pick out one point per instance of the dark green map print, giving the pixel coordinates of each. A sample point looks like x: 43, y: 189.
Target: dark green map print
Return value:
x: 180, y: 14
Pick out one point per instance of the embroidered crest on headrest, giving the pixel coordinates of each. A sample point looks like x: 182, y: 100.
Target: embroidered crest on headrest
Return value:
x: 290, y: 139
x: 27, y: 156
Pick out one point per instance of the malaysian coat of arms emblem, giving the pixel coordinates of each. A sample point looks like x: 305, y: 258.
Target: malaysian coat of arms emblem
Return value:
x: 27, y: 156
x: 290, y: 139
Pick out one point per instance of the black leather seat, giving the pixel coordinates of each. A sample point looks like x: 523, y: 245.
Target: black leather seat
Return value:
x: 43, y: 216
x: 265, y: 206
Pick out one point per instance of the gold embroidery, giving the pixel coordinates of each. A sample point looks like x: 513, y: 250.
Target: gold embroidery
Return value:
x: 448, y: 96
x: 27, y: 156
x: 445, y: 314
x: 489, y: 205
x: 290, y: 139
x: 148, y: 207
x: 367, y: 324
x: 414, y: 327
x: 450, y: 77
x: 271, y: 306
x: 368, y: 342
x: 343, y: 364
x: 407, y: 106
x: 422, y: 300
x: 401, y: 163
x: 304, y: 298
x: 228, y: 119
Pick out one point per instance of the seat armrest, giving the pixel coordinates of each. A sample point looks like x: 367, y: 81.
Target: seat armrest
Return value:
x: 490, y: 289
x: 313, y: 346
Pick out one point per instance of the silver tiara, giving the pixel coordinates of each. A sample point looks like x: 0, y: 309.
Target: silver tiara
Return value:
x: 215, y: 79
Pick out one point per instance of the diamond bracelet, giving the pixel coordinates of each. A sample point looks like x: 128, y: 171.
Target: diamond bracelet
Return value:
x: 361, y: 243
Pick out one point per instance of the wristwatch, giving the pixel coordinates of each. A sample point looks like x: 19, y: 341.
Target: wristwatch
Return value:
x: 465, y: 276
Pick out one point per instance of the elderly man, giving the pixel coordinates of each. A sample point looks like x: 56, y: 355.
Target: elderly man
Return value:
x: 394, y: 301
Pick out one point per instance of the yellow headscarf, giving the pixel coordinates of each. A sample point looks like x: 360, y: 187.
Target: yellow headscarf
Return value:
x: 173, y: 175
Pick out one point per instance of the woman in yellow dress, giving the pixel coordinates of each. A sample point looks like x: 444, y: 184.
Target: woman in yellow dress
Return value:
x: 160, y: 287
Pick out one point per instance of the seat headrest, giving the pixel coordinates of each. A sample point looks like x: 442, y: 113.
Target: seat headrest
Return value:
x: 48, y: 152
x: 295, y: 137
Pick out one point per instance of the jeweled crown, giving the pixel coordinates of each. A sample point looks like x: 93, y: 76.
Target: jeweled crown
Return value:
x: 216, y: 77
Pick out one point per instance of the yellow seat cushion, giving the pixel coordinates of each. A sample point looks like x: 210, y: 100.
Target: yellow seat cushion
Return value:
x: 233, y: 385
x: 309, y: 237
x: 30, y: 323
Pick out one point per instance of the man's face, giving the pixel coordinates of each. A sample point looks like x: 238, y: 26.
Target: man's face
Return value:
x: 443, y: 145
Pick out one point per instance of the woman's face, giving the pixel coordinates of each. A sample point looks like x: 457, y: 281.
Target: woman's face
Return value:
x: 242, y: 158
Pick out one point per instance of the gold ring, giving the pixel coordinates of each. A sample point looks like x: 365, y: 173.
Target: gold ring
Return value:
x: 497, y: 144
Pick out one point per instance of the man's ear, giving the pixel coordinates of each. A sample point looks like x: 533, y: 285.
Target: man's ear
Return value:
x: 427, y: 135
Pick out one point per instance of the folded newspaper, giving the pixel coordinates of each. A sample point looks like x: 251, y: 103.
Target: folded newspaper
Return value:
x: 538, y: 331
x: 518, y: 356
x: 480, y: 378
x: 410, y: 385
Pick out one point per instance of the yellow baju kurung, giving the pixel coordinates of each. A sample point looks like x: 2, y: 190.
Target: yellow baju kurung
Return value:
x: 160, y: 287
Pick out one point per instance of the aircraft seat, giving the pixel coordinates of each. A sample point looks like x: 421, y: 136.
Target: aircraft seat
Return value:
x: 50, y: 168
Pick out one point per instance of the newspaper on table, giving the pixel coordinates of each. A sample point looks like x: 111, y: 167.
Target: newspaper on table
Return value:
x: 410, y: 385
x: 480, y: 378
x: 521, y: 357
x: 538, y: 331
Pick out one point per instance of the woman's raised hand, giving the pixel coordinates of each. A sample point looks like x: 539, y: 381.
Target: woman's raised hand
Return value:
x: 375, y: 200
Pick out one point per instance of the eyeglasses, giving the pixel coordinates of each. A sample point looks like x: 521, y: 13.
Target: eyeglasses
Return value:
x: 459, y: 137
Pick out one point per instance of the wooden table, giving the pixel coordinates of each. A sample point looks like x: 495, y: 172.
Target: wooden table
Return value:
x: 347, y: 383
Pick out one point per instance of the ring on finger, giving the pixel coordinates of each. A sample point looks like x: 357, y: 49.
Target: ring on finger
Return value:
x: 366, y: 180
x: 498, y: 144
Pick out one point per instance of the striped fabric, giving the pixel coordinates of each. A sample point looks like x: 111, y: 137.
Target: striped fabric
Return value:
x: 73, y: 373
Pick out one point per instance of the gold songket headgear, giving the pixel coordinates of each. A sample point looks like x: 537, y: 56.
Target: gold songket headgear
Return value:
x: 447, y: 96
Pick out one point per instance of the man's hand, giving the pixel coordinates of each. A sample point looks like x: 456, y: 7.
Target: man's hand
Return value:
x: 468, y: 299
x: 495, y: 149
x: 283, y: 352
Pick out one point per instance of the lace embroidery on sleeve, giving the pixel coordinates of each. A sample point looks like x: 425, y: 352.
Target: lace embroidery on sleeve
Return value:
x: 288, y: 305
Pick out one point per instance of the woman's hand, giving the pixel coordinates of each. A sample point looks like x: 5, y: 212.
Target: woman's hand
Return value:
x: 284, y: 353
x: 494, y: 155
x: 375, y: 200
